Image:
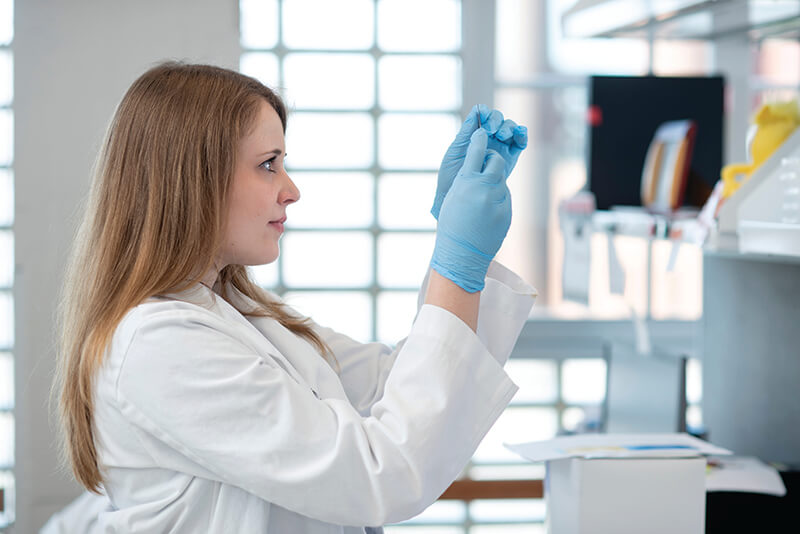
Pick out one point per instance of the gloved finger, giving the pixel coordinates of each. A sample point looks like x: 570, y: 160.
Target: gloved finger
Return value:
x: 476, y: 151
x: 506, y: 131
x: 521, y: 136
x: 493, y: 121
x: 469, y: 125
x: 483, y: 111
x: 494, y: 167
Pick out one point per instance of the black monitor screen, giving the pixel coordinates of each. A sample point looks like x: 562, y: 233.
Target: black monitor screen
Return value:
x: 624, y: 113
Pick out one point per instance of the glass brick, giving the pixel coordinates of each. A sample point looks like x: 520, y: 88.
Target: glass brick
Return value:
x: 6, y: 78
x: 508, y: 529
x: 420, y: 82
x: 262, y: 66
x: 347, y: 312
x: 527, y: 470
x: 396, y: 313
x: 442, y: 512
x: 572, y: 417
x: 419, y: 25
x: 6, y: 319
x: 6, y: 439
x: 537, y: 380
x: 507, y: 509
x: 307, y: 78
x: 7, y: 483
x: 332, y: 200
x: 327, y: 259
x: 6, y: 137
x: 258, y: 23
x: 694, y: 418
x: 415, y: 141
x: 583, y: 381
x: 6, y: 381
x: 6, y: 259
x: 403, y: 259
x: 516, y: 425
x: 405, y: 528
x: 330, y: 140
x: 694, y: 381
x: 6, y: 21
x: 405, y: 200
x: 6, y: 197
x: 266, y: 275
x: 340, y: 25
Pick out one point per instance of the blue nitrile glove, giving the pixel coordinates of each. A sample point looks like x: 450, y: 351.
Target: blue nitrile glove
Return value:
x: 474, y: 217
x: 505, y: 137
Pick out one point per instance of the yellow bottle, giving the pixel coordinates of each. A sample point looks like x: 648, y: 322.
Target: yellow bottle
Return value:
x: 772, y: 124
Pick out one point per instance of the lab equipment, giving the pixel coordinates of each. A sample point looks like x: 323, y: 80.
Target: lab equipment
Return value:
x: 624, y: 113
x: 474, y: 218
x: 772, y: 124
x: 789, y: 175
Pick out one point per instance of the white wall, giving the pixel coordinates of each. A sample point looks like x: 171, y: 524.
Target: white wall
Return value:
x: 73, y: 61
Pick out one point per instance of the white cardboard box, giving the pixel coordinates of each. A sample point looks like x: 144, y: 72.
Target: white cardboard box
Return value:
x: 623, y: 483
x: 626, y: 495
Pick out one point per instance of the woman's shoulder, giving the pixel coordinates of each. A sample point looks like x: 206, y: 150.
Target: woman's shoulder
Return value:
x: 170, y: 311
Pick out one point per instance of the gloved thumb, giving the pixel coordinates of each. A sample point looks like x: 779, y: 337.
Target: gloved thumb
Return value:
x: 476, y: 151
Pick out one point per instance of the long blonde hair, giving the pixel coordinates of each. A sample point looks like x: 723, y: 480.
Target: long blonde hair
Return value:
x: 153, y: 225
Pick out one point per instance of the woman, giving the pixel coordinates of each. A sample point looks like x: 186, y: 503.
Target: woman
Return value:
x: 197, y: 402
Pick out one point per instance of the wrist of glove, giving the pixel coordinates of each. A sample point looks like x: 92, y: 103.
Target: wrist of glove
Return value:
x: 449, y: 261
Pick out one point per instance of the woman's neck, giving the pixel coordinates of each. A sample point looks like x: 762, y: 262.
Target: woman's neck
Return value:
x: 211, y: 276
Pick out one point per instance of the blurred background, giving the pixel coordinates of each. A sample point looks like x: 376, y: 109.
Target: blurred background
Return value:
x: 376, y: 90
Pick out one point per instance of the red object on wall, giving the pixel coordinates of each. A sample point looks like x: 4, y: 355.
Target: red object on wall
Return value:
x: 594, y: 116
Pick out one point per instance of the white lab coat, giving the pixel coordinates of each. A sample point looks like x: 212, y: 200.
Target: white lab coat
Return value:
x: 208, y: 421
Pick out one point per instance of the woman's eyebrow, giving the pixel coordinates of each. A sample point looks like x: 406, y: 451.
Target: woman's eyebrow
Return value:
x: 276, y: 151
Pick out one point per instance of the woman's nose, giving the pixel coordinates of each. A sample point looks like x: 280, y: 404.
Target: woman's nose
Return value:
x: 289, y: 192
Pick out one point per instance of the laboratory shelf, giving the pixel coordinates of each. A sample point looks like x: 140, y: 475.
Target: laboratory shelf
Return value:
x: 682, y: 19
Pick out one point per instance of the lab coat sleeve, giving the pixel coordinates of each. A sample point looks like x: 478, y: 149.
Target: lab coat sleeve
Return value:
x: 506, y: 301
x: 223, y: 412
x: 505, y: 304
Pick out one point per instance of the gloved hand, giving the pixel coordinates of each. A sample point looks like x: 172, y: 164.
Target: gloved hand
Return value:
x: 505, y: 137
x: 474, y: 217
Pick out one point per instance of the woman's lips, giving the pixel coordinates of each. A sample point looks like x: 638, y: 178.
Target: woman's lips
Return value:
x: 278, y: 224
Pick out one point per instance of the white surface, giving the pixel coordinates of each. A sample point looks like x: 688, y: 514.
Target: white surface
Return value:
x: 654, y: 445
x: 625, y: 496
x: 769, y: 238
x: 743, y: 473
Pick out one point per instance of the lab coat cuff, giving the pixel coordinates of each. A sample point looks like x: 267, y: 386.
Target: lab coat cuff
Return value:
x: 506, y: 302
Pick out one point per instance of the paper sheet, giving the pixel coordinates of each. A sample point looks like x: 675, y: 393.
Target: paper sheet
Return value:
x: 743, y: 473
x: 616, y: 446
x: 577, y: 235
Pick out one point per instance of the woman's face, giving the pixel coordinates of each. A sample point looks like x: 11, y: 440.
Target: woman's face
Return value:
x: 260, y: 192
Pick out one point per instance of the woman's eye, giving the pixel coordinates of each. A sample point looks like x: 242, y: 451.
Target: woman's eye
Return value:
x: 268, y: 165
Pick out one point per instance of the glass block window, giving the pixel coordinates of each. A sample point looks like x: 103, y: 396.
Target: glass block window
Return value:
x: 374, y: 101
x: 6, y: 263
x: 374, y: 104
